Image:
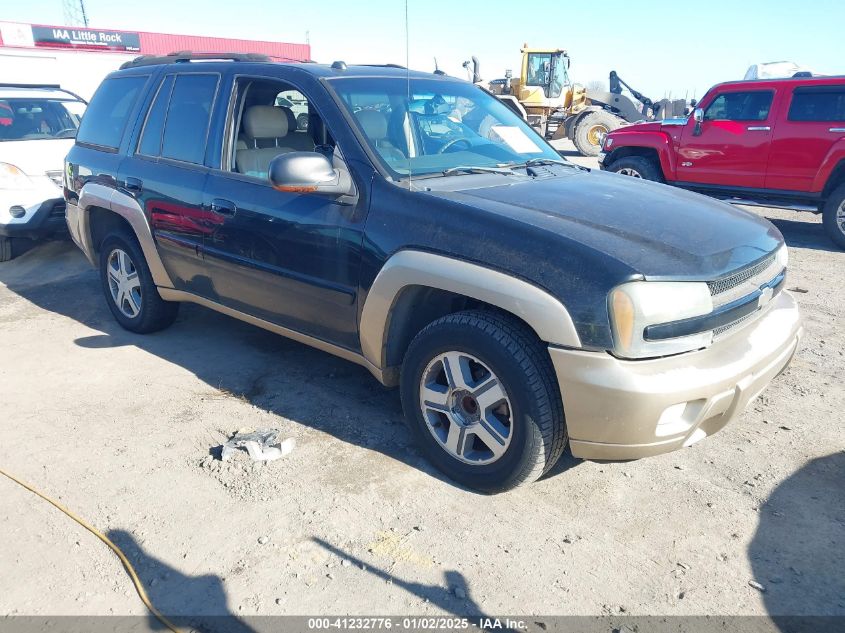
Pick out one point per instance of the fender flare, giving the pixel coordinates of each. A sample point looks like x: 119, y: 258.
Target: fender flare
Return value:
x: 127, y: 207
x: 832, y: 166
x: 547, y: 316
x: 657, y: 141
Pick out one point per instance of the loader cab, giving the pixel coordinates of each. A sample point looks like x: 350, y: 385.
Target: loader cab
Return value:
x: 544, y: 77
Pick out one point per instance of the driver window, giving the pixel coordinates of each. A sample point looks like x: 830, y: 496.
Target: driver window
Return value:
x: 272, y: 118
x: 740, y: 106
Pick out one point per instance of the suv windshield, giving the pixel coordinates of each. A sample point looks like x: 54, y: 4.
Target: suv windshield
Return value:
x: 428, y: 126
x: 26, y: 119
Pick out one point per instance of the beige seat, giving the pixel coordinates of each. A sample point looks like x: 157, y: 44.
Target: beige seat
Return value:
x: 265, y: 132
x: 374, y: 125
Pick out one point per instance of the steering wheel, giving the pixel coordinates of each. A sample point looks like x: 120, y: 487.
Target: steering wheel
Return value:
x: 64, y: 133
x: 454, y: 141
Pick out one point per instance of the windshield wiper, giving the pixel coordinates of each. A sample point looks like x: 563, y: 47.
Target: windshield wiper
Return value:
x: 537, y: 162
x: 471, y: 169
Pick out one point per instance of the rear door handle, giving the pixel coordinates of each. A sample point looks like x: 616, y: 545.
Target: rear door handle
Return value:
x: 837, y: 129
x: 759, y: 128
x: 132, y: 184
x: 221, y: 206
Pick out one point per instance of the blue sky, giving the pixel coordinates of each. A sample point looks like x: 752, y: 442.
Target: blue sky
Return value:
x: 678, y: 49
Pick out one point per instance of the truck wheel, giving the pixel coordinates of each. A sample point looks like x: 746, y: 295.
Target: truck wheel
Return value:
x: 480, y: 395
x: 129, y: 288
x: 5, y: 249
x: 591, y: 130
x: 833, y: 216
x: 637, y: 167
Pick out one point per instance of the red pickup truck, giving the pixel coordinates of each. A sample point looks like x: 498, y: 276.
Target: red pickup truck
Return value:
x: 775, y: 142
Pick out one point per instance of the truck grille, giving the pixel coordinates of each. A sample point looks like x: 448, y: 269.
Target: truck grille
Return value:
x: 745, y: 281
x: 56, y: 177
x: 740, y: 284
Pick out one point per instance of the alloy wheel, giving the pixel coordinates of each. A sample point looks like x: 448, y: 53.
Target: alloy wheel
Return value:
x: 124, y: 283
x: 628, y: 171
x: 466, y: 408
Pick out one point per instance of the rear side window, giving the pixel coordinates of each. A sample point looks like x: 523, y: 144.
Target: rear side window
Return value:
x: 752, y: 105
x: 824, y: 103
x: 186, y: 127
x: 150, y: 144
x: 108, y: 112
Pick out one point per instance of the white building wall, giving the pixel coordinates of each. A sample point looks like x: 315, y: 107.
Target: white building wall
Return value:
x: 78, y: 71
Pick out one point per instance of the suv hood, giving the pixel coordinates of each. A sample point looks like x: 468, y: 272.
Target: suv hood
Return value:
x: 36, y: 156
x: 660, y: 232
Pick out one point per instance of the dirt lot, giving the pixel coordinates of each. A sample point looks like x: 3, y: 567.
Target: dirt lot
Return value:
x: 119, y: 427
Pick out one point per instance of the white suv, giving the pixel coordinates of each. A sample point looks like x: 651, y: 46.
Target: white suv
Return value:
x: 37, y: 128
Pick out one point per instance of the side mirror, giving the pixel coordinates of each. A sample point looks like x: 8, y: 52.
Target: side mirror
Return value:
x: 698, y: 117
x: 308, y: 172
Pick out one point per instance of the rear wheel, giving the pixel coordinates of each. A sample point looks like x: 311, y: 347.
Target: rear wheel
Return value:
x: 128, y: 285
x: 637, y: 167
x: 591, y: 130
x: 833, y: 216
x: 480, y: 395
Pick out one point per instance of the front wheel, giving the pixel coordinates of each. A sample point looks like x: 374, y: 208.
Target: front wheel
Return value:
x: 480, y: 395
x: 128, y: 285
x: 637, y: 167
x: 833, y: 216
x: 591, y: 130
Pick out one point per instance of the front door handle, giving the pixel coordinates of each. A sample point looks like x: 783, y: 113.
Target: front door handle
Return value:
x: 837, y: 129
x: 221, y: 206
x: 133, y: 185
x: 759, y: 128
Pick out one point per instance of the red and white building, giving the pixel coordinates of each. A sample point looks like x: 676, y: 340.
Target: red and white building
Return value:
x: 78, y: 58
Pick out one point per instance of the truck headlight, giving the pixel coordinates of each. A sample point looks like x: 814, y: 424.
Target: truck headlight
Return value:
x: 636, y: 305
x: 11, y: 177
x: 782, y: 256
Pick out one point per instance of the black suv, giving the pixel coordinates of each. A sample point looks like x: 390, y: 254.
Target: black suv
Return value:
x: 418, y: 227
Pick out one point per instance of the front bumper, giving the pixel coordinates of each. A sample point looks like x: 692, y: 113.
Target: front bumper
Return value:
x: 619, y: 409
x: 602, y: 158
x: 44, y: 210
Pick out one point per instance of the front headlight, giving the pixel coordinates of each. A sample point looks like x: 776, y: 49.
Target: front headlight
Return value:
x: 782, y: 256
x: 12, y: 177
x: 636, y: 305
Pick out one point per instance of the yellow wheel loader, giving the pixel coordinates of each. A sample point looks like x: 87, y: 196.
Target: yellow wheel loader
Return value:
x: 544, y: 96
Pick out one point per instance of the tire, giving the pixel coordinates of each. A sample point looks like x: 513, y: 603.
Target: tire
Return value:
x: 637, y: 167
x: 833, y: 216
x: 130, y: 288
x: 591, y: 130
x: 526, y: 414
x: 302, y: 122
x: 5, y: 249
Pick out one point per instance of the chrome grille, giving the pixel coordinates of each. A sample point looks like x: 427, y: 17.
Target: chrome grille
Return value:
x: 56, y: 177
x: 744, y: 282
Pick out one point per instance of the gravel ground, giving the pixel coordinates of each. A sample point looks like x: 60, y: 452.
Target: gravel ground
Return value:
x: 118, y: 427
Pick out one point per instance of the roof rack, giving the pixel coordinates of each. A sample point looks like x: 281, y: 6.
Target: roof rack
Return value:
x: 43, y: 87
x: 383, y: 66
x: 16, y: 85
x: 188, y: 56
